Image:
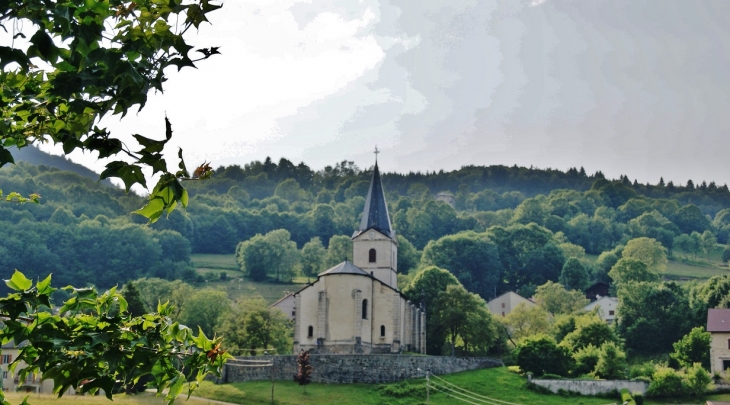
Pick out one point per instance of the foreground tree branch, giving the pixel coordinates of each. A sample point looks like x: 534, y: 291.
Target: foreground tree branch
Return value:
x: 93, y: 343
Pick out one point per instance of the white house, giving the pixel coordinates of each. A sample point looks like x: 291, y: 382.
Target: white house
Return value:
x: 608, y: 307
x: 505, y: 303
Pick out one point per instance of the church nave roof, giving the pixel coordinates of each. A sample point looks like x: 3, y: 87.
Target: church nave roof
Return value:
x: 345, y: 268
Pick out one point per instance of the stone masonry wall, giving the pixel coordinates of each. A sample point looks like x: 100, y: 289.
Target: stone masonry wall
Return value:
x: 338, y: 368
x: 591, y: 387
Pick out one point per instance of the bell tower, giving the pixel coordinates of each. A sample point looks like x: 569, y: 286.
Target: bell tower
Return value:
x: 374, y: 244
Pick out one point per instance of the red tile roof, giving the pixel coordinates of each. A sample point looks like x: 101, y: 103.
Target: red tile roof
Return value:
x: 718, y: 320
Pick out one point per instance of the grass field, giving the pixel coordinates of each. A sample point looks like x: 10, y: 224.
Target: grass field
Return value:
x: 499, y: 384
x: 237, y: 286
x: 139, y: 399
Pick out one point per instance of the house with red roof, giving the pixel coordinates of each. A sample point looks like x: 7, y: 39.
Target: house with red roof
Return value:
x: 718, y: 324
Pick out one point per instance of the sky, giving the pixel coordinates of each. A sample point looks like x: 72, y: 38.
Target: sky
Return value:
x: 625, y: 87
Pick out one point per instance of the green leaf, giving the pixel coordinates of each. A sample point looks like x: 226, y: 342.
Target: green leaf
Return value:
x: 43, y: 47
x: 153, y: 210
x: 176, y: 388
x: 130, y: 174
x: 44, y: 287
x: 5, y: 157
x: 19, y: 282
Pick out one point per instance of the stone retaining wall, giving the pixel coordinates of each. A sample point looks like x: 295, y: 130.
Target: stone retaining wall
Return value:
x: 590, y: 387
x: 334, y: 368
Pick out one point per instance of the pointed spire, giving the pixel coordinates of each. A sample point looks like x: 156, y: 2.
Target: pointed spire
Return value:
x: 375, y: 215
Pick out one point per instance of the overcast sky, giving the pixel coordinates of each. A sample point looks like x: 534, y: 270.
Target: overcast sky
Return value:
x: 626, y: 87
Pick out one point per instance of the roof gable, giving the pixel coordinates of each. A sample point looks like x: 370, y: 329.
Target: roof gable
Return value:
x: 718, y: 320
x: 344, y: 268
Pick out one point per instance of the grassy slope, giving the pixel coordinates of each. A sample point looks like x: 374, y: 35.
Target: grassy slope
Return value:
x: 237, y: 287
x: 498, y: 383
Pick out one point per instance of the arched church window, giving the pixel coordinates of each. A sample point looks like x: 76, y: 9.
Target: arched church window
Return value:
x: 382, y: 331
x: 364, y: 309
x: 372, y: 256
x: 310, y: 332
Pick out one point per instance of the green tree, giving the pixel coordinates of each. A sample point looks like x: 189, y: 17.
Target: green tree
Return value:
x: 424, y: 289
x: 89, y: 70
x: 252, y: 327
x: 465, y: 317
x: 628, y: 269
x: 408, y: 256
x: 204, y: 310
x: 708, y: 242
x: 527, y: 320
x: 312, y: 257
x: 554, y: 298
x: 471, y: 257
x: 574, y: 275
x: 155, y: 291
x: 645, y: 310
x: 271, y: 254
x: 339, y: 249
x: 694, y: 347
x: 649, y: 251
x: 611, y: 362
x: 603, y: 265
x: 686, y: 243
x: 541, y: 355
x: 135, y: 306
x: 726, y: 254
x: 594, y: 332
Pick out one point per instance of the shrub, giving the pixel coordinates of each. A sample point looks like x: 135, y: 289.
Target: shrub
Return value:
x: 626, y: 397
x: 611, y: 362
x: 698, y: 380
x: 541, y: 355
x: 666, y: 382
x: 403, y: 389
x: 639, y: 398
x: 645, y: 370
x: 585, y: 360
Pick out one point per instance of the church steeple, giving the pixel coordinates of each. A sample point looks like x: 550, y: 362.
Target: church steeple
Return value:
x: 375, y: 215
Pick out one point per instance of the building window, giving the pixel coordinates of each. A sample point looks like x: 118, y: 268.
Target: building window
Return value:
x: 7, y: 359
x: 310, y: 332
x: 610, y: 313
x: 725, y: 365
x: 503, y: 305
x: 382, y: 331
x: 502, y: 313
x: 5, y: 374
x: 364, y: 309
x: 372, y: 256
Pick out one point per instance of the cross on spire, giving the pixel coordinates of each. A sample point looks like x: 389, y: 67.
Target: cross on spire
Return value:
x: 376, y: 153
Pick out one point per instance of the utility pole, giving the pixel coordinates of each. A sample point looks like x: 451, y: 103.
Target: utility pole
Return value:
x: 272, y: 381
x: 427, y: 393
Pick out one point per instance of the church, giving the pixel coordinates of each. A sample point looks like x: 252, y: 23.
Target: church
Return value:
x: 355, y: 307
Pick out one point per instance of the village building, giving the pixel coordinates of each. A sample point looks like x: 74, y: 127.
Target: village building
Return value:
x: 718, y: 324
x: 287, y: 305
x: 11, y: 382
x: 506, y: 303
x: 608, y: 307
x: 355, y: 307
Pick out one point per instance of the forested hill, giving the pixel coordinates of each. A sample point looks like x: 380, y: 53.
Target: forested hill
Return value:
x: 83, y: 231
x: 36, y: 156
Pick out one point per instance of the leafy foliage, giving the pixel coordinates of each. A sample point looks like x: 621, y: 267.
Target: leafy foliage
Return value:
x: 88, y: 59
x: 694, y: 347
x: 541, y: 355
x: 97, y: 343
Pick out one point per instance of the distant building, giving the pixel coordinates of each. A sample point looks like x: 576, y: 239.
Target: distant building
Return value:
x: 608, y: 306
x: 505, y: 303
x: 12, y: 383
x: 718, y: 324
x: 597, y: 291
x: 287, y: 305
x: 355, y: 307
x: 448, y: 198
